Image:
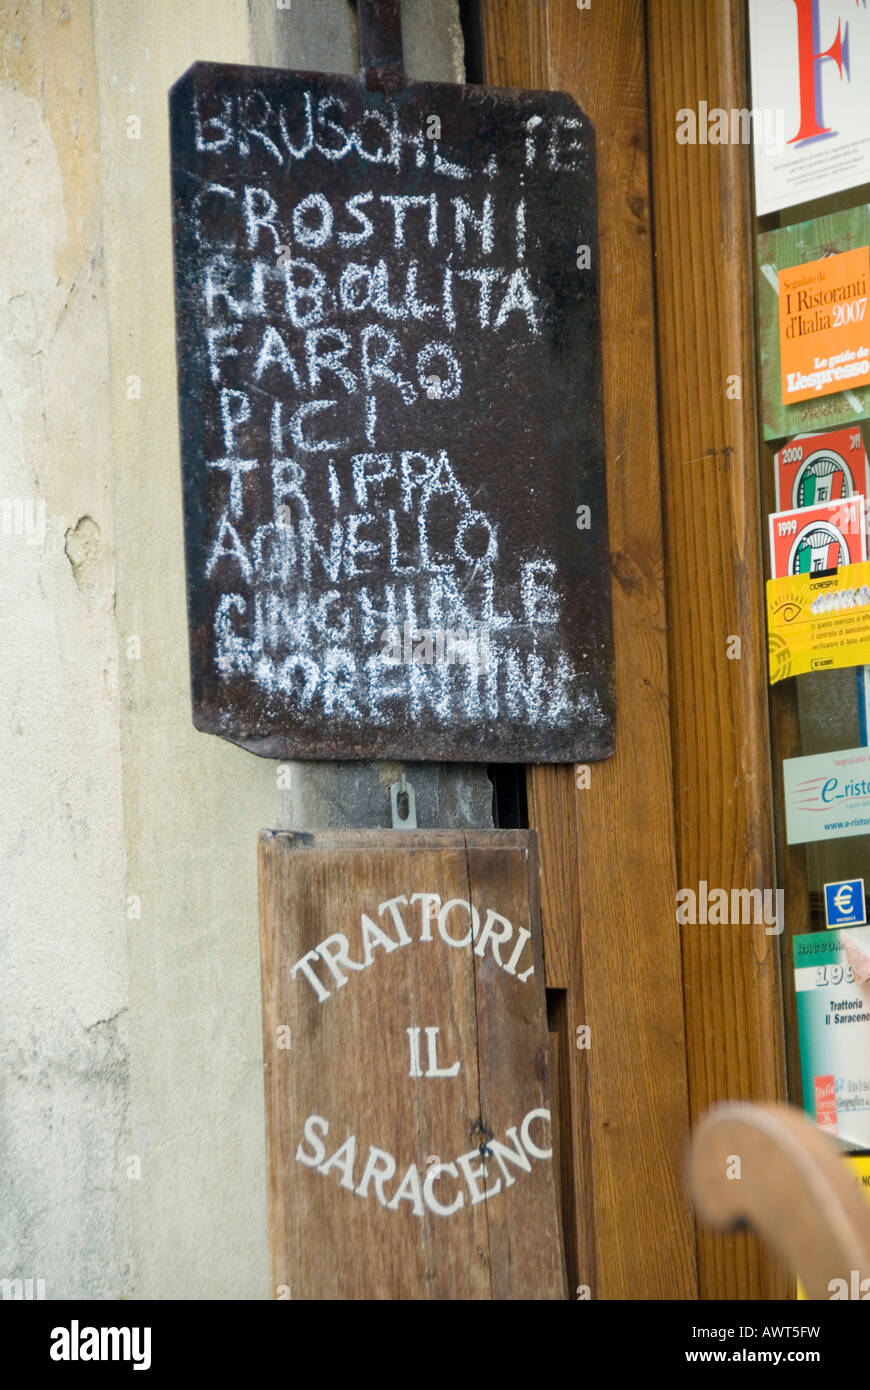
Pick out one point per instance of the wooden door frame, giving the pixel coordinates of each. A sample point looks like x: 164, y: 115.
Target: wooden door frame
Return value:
x: 715, y: 581
x: 679, y: 1017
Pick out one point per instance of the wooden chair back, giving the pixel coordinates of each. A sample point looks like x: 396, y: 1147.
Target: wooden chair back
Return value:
x: 770, y: 1168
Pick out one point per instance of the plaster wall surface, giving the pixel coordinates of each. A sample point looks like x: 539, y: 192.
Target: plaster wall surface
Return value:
x: 132, y: 1156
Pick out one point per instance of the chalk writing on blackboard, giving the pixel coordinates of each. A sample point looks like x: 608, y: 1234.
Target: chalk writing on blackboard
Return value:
x: 390, y: 410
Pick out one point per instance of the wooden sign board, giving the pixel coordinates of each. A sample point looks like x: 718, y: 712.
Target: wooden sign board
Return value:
x: 410, y: 1142
x: 390, y: 408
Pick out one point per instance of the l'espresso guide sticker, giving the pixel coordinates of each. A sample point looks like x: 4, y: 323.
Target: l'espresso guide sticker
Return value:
x: 391, y: 426
x: 814, y: 332
x: 824, y: 329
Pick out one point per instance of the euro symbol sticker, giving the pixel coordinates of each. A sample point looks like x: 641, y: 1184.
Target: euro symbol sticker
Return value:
x: 843, y: 898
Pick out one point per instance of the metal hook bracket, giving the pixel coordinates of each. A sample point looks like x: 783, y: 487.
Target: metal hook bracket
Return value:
x: 380, y: 42
x: 403, y: 805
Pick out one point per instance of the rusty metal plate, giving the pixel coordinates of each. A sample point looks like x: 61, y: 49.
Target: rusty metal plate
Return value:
x: 390, y: 408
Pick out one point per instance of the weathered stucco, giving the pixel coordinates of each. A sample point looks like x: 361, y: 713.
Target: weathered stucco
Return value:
x: 131, y: 1136
x: 64, y: 1210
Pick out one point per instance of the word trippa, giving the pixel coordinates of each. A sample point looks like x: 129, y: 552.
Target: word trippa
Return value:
x: 390, y: 398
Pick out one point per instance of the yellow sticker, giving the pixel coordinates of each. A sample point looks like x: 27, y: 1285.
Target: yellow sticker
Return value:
x: 860, y: 1165
x: 817, y: 623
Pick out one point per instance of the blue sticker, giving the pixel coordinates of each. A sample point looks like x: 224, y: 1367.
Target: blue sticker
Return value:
x: 844, y: 903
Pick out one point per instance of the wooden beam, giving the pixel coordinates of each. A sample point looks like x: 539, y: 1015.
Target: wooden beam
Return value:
x: 617, y: 951
x: 714, y: 581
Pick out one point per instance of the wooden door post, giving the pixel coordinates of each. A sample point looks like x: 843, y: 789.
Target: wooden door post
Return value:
x: 607, y: 834
x: 714, y: 583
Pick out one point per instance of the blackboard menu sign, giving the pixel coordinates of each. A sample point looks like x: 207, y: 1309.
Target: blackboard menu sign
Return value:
x: 390, y: 408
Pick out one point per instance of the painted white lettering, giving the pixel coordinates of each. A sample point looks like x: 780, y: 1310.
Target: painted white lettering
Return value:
x: 310, y: 1136
x: 474, y: 1174
x: 334, y: 951
x: 528, y: 1144
x: 432, y: 1202
x: 474, y: 917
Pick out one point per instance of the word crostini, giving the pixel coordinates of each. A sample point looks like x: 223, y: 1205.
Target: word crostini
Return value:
x: 458, y: 915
